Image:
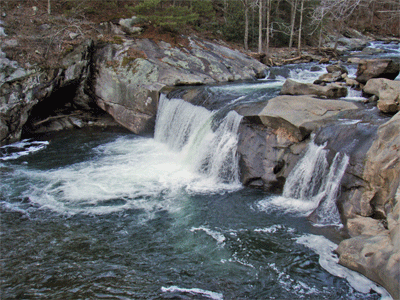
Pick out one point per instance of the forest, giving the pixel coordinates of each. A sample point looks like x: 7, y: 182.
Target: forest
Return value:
x: 257, y: 24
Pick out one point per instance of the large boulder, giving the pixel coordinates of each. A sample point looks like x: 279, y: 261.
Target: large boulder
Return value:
x: 374, y: 246
x: 377, y: 68
x: 388, y: 92
x: 296, y: 115
x: 274, y: 133
x: 336, y: 73
x: 131, y: 74
x: 331, y: 91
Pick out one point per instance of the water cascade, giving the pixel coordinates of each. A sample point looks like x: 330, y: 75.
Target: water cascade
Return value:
x: 206, y: 144
x: 312, y: 186
x: 108, y: 214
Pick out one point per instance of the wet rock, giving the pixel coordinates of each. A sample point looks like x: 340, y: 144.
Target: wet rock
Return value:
x: 273, y: 134
x: 296, y: 115
x: 387, y: 91
x: 377, y: 68
x: 131, y: 75
x: 374, y: 249
x: 266, y: 156
x: 332, y: 91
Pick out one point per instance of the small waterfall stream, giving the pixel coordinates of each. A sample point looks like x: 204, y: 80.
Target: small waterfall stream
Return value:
x: 312, y: 186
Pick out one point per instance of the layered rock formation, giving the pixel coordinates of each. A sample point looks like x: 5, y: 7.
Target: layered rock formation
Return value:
x: 273, y: 135
x: 374, y: 246
x: 123, y: 79
x: 131, y: 75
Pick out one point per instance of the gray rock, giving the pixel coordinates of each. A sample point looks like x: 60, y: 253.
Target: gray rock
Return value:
x: 297, y: 115
x: 388, y: 92
x: 332, y: 91
x: 131, y: 75
x: 273, y: 135
x: 373, y: 249
x: 377, y: 68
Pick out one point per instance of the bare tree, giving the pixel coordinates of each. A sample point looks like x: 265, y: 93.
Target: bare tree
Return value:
x: 260, y: 23
x: 338, y: 11
x: 268, y: 24
x: 246, y: 23
x: 293, y: 9
x: 300, y: 26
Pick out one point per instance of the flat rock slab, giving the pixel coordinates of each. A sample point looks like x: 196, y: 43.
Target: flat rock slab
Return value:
x: 298, y: 115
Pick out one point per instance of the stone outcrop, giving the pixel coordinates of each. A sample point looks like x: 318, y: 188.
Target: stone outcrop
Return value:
x: 387, y: 91
x: 29, y: 98
x: 374, y: 246
x: 122, y: 78
x: 336, y: 73
x: 331, y: 91
x: 130, y: 75
x: 377, y: 68
x: 274, y: 133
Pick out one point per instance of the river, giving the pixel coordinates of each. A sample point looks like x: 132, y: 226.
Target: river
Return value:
x: 106, y: 214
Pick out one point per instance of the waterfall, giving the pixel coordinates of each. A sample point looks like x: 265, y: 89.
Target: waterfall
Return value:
x: 206, y: 144
x: 312, y: 186
x: 305, y: 179
x: 315, y: 183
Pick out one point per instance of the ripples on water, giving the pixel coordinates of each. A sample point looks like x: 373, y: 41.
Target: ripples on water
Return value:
x: 110, y: 215
x: 115, y: 216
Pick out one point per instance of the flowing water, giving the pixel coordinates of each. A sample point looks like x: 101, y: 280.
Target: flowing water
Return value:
x: 106, y: 214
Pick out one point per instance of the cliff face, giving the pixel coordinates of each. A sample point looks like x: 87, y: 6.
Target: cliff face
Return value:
x: 123, y: 79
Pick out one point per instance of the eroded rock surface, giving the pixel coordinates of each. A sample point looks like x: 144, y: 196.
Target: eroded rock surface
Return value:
x: 330, y: 91
x: 274, y: 133
x: 374, y: 249
x: 131, y: 75
x: 388, y: 92
x: 377, y: 68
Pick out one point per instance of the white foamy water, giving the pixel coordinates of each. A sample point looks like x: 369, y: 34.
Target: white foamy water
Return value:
x: 219, y: 237
x: 2, y: 33
x: 22, y: 148
x: 312, y: 186
x: 187, y: 156
x: 193, y: 292
x: 207, y: 148
x: 330, y: 262
x: 306, y: 75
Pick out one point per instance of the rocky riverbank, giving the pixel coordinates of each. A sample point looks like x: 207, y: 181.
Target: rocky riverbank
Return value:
x: 112, y: 82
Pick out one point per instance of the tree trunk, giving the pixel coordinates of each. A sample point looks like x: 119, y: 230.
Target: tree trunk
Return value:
x: 300, y: 27
x: 246, y: 25
x: 292, y: 21
x: 48, y: 7
x: 268, y: 5
x: 339, y: 30
x: 260, y: 19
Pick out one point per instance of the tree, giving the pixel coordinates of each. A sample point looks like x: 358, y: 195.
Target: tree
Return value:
x: 338, y: 11
x: 246, y: 23
x: 260, y: 23
x: 48, y: 7
x: 293, y: 9
x: 300, y: 27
